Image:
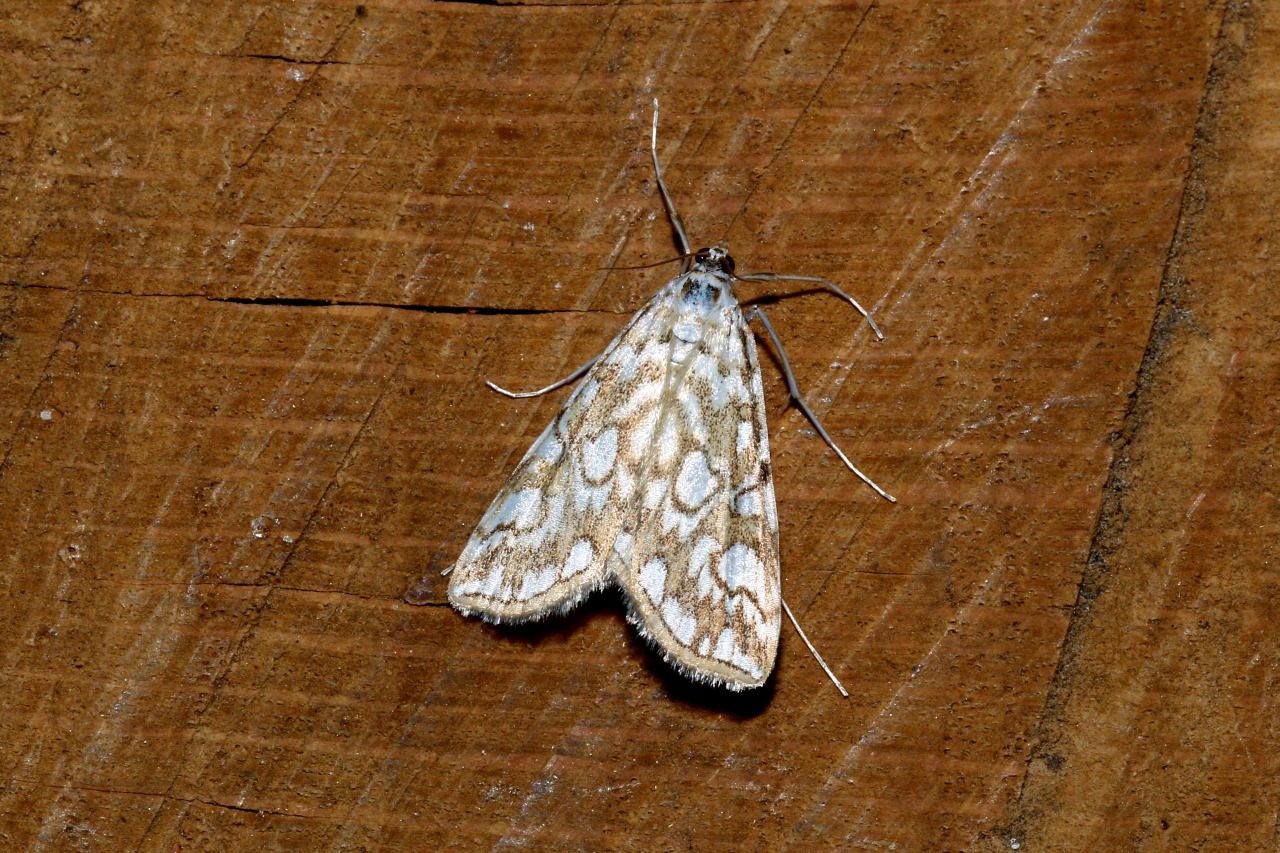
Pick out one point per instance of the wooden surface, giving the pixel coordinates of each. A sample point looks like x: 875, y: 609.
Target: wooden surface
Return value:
x: 256, y: 261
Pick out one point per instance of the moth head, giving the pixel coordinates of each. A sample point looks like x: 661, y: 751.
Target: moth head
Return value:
x: 713, y: 260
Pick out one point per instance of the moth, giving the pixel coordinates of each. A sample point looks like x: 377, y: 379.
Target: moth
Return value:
x: 655, y: 476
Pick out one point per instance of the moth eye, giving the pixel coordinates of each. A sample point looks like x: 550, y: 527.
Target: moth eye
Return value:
x: 702, y: 255
x: 728, y: 264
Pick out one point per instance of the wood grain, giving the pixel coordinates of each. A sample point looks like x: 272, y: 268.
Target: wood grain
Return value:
x: 256, y: 261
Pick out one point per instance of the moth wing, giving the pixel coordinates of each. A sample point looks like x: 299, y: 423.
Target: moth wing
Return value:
x: 545, y: 541
x: 702, y: 577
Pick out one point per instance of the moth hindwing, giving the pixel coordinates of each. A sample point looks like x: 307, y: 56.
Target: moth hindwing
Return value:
x: 655, y: 477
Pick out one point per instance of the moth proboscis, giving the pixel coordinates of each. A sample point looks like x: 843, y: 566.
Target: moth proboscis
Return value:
x: 655, y: 476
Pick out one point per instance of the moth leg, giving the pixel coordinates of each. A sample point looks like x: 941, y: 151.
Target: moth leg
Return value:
x: 804, y: 407
x: 577, y: 374
x: 676, y: 222
x: 773, y: 276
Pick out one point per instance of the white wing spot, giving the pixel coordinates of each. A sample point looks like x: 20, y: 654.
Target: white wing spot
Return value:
x: 552, y: 513
x: 587, y: 394
x: 538, y: 581
x: 642, y: 435
x: 751, y: 616
x: 653, y: 577
x: 688, y: 331
x: 748, y: 664
x: 598, y: 456
x: 733, y: 352
x: 682, y: 523
x: 551, y: 450
x: 681, y: 351
x: 521, y: 509
x: 725, y: 647
x: 727, y: 650
x: 622, y: 546
x: 624, y: 485
x: 695, y: 482
x: 668, y: 441
x: 580, y: 558
x: 700, y: 563
x: 725, y: 389
x: 740, y: 567
x: 746, y: 435
x: 682, y: 623
x: 491, y: 584
x: 748, y: 504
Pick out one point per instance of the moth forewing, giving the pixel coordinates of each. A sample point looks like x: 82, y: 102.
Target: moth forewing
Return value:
x: 701, y: 574
x: 704, y: 587
x: 544, y: 542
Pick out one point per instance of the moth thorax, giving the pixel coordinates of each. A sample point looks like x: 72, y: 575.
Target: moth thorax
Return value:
x: 701, y: 303
x: 701, y: 292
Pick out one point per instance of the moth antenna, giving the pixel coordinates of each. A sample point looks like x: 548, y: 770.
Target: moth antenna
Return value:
x: 676, y: 222
x: 522, y: 395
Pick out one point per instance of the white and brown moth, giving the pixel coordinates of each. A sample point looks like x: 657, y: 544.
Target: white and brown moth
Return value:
x: 655, y: 476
